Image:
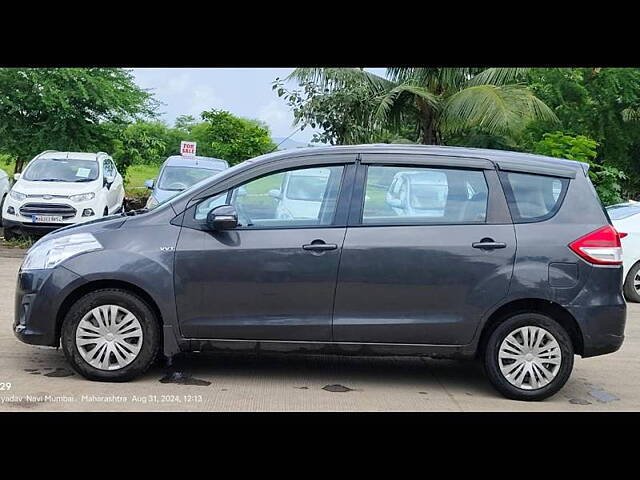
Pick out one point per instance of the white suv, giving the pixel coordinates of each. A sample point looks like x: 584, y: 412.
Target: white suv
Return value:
x: 62, y: 188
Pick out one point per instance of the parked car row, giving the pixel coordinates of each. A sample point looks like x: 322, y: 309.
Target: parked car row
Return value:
x: 58, y: 189
x: 504, y: 257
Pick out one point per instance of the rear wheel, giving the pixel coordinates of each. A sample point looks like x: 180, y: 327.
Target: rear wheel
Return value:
x: 632, y: 284
x: 528, y: 357
x: 110, y: 335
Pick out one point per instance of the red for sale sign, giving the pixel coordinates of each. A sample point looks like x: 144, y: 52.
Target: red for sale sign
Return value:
x: 188, y: 148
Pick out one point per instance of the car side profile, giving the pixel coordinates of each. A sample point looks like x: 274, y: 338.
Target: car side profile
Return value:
x: 518, y: 266
x: 58, y: 189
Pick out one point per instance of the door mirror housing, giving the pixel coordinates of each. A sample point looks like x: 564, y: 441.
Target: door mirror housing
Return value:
x: 222, y: 217
x: 16, y: 176
x: 149, y: 183
x: 394, y: 202
x: 275, y: 193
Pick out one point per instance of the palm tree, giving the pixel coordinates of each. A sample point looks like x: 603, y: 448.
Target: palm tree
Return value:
x: 441, y: 101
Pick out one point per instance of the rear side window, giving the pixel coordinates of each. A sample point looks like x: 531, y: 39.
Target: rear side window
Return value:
x: 421, y: 195
x: 533, y: 198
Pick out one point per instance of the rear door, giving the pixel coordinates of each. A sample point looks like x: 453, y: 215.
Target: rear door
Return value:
x: 427, y: 273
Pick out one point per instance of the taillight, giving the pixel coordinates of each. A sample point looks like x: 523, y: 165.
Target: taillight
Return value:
x: 601, y: 246
x: 622, y: 234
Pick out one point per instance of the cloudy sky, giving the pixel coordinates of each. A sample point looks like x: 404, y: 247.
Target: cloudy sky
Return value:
x: 245, y: 92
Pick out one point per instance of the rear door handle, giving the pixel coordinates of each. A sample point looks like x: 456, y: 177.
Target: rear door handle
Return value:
x: 488, y: 244
x: 319, y: 246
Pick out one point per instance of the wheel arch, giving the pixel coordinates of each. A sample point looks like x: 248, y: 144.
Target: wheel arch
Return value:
x: 89, y: 287
x: 537, y: 305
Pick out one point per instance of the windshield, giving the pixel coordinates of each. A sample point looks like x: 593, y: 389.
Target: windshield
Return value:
x: 180, y: 178
x: 61, y: 170
x: 618, y: 212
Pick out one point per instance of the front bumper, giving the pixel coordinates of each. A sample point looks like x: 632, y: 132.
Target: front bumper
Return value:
x: 31, y: 229
x: 39, y: 296
x: 22, y: 224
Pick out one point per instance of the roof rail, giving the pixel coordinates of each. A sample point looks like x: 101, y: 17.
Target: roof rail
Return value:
x: 42, y: 153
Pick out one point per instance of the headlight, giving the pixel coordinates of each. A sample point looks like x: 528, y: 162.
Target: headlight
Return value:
x: 51, y: 252
x: 152, y: 202
x: 82, y: 197
x: 17, y: 195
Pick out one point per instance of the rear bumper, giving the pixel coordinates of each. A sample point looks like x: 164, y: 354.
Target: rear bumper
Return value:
x: 602, y: 328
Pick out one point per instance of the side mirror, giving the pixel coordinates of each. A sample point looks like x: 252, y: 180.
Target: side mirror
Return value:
x: 275, y: 193
x: 394, y: 202
x: 16, y: 176
x: 149, y: 183
x: 222, y: 217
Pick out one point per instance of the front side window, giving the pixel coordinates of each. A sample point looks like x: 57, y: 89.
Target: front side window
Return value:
x: 61, y: 170
x: 293, y: 198
x: 534, y: 197
x: 424, y: 195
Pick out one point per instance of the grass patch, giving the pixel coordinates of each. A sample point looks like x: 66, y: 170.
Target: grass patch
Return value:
x: 20, y: 242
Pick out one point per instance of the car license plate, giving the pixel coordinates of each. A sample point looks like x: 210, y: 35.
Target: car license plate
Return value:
x: 46, y: 218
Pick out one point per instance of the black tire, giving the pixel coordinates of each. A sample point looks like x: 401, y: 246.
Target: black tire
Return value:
x: 9, y: 235
x: 123, y: 298
x: 492, y: 347
x: 630, y: 293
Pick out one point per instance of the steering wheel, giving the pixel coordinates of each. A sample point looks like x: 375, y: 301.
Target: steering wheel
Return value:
x: 177, y: 186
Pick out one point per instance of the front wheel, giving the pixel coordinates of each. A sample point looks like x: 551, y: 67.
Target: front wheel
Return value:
x: 528, y: 357
x: 110, y: 335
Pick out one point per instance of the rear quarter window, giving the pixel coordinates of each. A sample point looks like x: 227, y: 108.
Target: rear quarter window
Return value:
x: 531, y: 197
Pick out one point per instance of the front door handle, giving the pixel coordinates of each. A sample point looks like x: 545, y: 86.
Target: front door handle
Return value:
x: 488, y: 244
x: 319, y: 246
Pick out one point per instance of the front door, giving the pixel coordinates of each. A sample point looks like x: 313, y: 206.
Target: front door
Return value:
x: 272, y: 278
x: 423, y: 264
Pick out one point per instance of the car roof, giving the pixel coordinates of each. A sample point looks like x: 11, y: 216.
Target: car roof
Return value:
x: 72, y: 155
x: 504, y: 158
x: 200, y: 162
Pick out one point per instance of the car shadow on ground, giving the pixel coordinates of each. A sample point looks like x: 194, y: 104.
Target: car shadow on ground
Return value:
x: 305, y: 370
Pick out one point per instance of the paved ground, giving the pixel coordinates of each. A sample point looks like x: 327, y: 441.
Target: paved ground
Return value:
x: 41, y: 380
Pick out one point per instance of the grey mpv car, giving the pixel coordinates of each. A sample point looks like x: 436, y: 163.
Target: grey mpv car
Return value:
x: 514, y: 262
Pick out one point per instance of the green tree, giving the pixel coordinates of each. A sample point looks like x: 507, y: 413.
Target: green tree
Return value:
x: 344, y: 115
x: 436, y: 103
x: 141, y: 142
x: 185, y: 123
x: 606, y: 179
x: 223, y: 135
x: 66, y: 108
x: 600, y: 103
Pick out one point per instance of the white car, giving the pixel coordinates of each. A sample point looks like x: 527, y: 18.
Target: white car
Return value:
x: 300, y: 193
x: 62, y: 188
x: 626, y: 220
x: 4, y: 188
